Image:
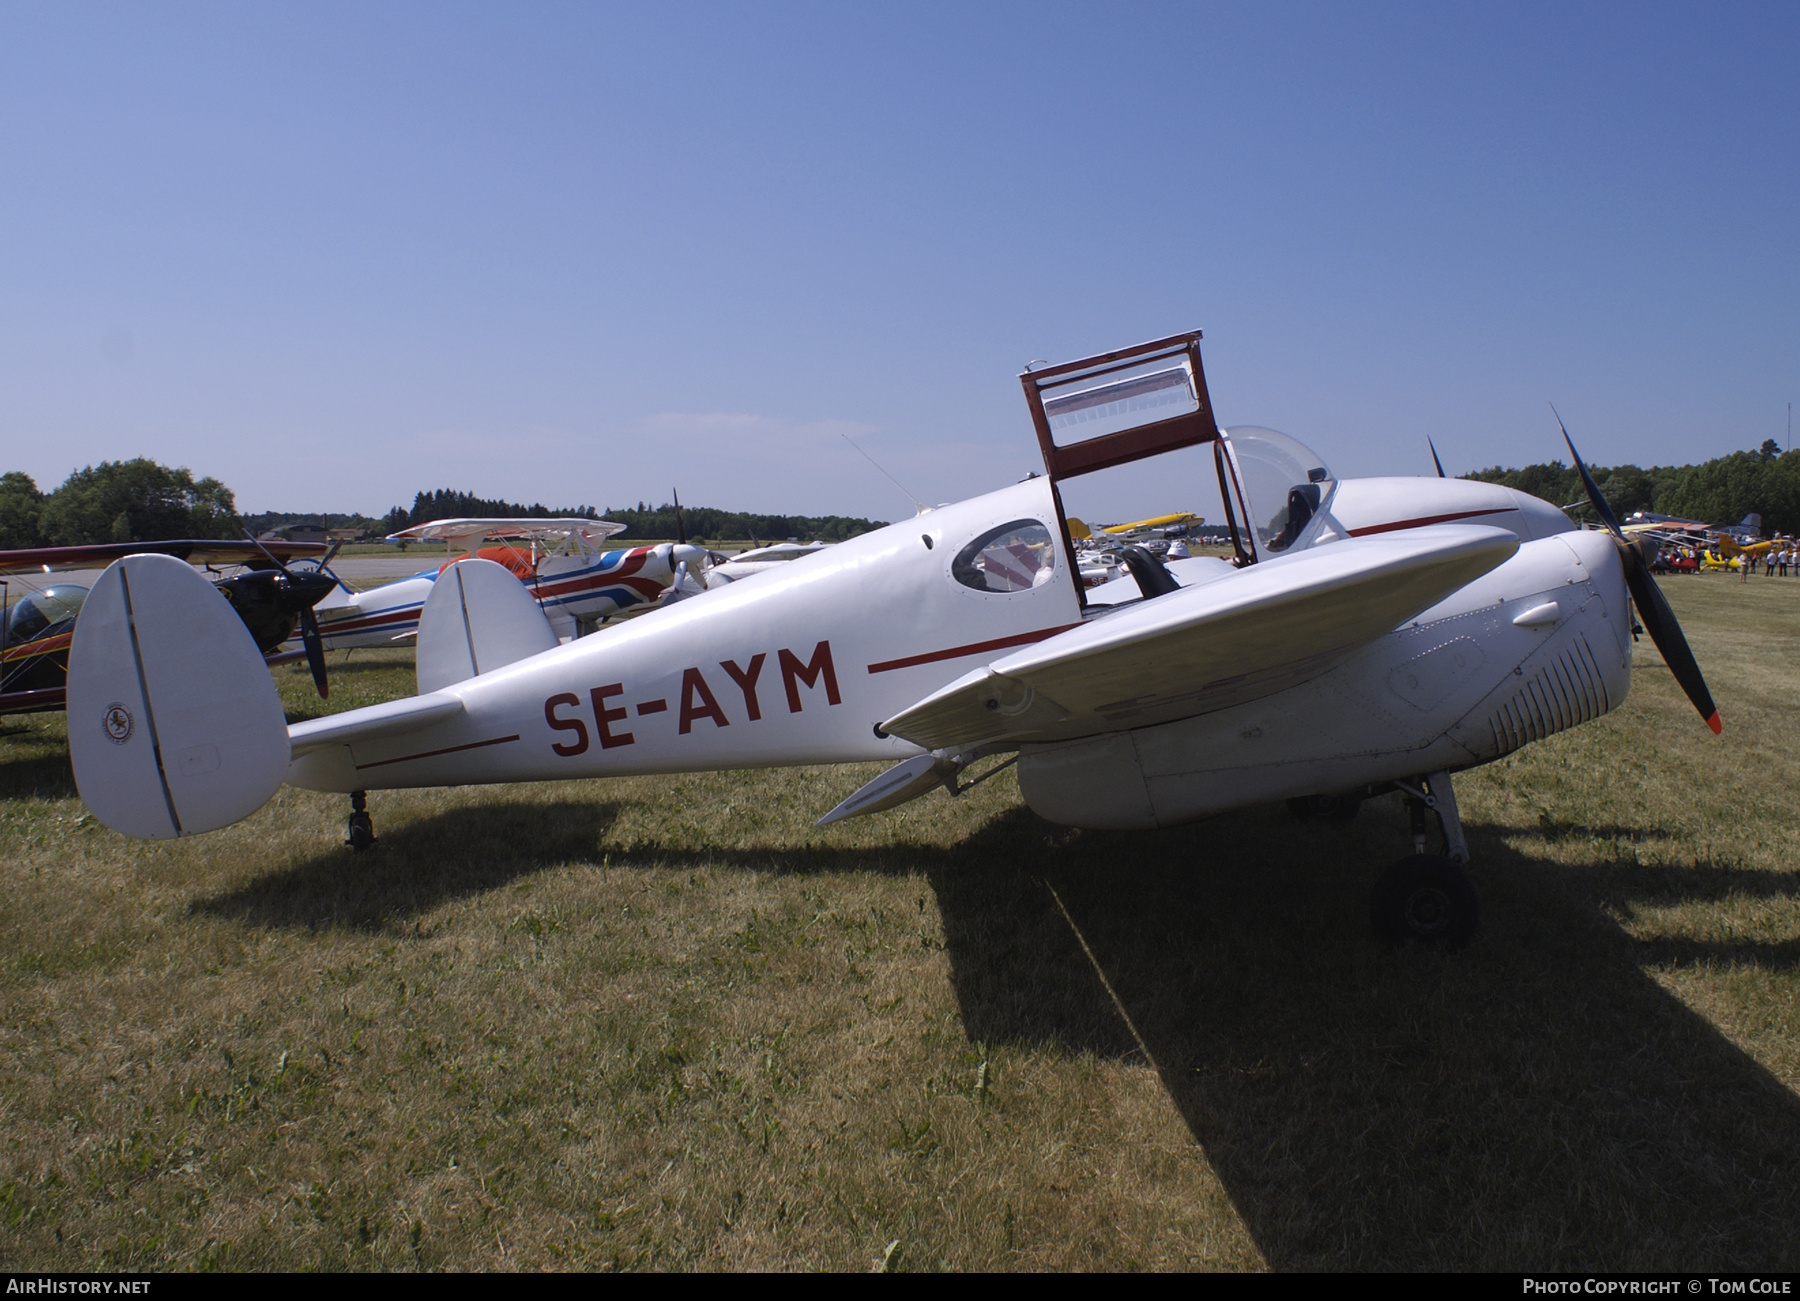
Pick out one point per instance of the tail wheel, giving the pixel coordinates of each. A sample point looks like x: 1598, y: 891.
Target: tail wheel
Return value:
x: 1425, y: 900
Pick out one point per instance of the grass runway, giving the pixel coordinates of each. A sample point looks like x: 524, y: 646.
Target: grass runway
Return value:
x: 664, y: 1023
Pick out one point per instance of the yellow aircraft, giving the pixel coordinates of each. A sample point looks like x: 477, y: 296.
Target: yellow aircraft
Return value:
x: 1730, y: 555
x: 1081, y: 532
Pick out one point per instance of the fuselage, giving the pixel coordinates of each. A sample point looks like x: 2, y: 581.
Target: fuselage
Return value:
x: 801, y: 664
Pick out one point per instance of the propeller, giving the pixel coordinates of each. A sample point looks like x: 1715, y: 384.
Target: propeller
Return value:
x: 687, y: 582
x: 315, y: 650
x: 322, y: 565
x: 310, y: 639
x: 1652, y: 606
x: 1434, y: 457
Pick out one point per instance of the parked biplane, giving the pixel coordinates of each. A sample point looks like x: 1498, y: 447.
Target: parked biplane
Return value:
x: 271, y: 598
x: 570, y: 576
x: 1369, y: 635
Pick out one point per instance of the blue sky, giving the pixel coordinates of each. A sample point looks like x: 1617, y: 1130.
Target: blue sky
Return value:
x: 334, y: 254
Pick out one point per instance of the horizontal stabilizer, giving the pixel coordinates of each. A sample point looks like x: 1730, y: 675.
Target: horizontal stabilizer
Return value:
x: 478, y: 618
x: 906, y: 780
x: 391, y: 718
x: 175, y: 726
x: 1192, y: 651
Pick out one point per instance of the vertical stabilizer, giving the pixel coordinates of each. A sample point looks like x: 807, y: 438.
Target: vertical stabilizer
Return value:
x: 175, y: 726
x: 478, y: 618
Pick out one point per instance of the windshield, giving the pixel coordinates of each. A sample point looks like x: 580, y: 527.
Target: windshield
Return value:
x: 43, y: 611
x: 1284, y: 484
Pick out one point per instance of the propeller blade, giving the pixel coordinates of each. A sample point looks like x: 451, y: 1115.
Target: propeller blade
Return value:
x: 1434, y: 457
x: 680, y: 528
x: 1653, y: 608
x: 315, y: 651
x: 1598, y: 502
x: 1659, y: 622
x: 272, y: 558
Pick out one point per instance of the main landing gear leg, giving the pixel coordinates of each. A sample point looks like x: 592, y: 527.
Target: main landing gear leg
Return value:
x: 361, y: 831
x: 1428, y: 899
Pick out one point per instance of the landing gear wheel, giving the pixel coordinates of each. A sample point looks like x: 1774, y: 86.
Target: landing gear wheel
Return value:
x: 360, y: 834
x: 1425, y: 900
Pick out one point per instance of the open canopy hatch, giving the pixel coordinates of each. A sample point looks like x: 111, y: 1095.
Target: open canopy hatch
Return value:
x: 1129, y: 405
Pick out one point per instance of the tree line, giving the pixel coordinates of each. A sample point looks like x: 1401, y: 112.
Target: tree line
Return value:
x: 640, y: 521
x: 447, y: 503
x: 1720, y: 491
x: 142, y: 501
x: 646, y: 521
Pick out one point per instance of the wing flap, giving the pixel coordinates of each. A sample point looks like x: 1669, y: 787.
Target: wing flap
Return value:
x: 1257, y: 632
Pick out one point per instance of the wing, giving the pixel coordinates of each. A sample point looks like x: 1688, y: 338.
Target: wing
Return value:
x: 197, y: 551
x: 469, y: 533
x: 1251, y: 634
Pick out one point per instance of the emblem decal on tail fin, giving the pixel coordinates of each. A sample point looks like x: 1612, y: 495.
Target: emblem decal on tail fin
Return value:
x: 118, y: 723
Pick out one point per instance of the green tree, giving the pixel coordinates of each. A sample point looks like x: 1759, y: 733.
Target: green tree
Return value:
x: 1722, y: 490
x: 21, y: 505
x: 136, y: 501
x: 1627, y: 489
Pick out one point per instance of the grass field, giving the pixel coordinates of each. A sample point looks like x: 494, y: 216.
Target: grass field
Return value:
x: 665, y: 1023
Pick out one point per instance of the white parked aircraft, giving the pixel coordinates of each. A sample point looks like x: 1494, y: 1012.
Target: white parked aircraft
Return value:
x: 1373, y: 635
x: 560, y: 561
x: 759, y: 560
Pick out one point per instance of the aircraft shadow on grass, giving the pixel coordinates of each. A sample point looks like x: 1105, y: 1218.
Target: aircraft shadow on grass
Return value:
x: 418, y: 866
x: 1534, y: 1101
x: 30, y: 770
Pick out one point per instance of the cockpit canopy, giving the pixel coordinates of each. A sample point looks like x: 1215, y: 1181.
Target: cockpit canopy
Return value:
x: 1283, y: 482
x: 51, y: 610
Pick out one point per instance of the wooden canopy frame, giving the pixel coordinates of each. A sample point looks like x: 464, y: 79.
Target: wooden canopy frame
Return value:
x: 1189, y: 429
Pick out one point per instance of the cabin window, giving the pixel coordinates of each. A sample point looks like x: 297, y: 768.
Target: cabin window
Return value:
x: 1015, y: 557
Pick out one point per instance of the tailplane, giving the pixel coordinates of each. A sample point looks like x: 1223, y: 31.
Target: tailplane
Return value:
x: 175, y: 726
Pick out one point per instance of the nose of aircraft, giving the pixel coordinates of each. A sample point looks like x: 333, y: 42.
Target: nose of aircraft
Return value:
x: 302, y: 590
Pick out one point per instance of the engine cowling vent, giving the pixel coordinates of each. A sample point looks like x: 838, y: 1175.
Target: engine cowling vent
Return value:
x: 1568, y: 689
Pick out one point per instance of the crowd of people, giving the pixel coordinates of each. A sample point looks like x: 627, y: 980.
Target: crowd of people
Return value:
x: 1775, y: 559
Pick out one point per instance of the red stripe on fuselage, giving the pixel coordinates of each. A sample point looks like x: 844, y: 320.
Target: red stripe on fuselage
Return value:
x: 432, y: 754
x: 1423, y: 520
x: 27, y: 649
x: 973, y: 648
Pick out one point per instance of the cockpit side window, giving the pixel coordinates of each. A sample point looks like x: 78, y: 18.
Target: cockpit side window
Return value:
x: 1015, y: 557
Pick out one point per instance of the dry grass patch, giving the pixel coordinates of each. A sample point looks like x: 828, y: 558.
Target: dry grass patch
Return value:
x: 664, y: 1022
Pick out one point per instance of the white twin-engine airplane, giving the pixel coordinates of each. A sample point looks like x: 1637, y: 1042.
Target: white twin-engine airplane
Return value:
x: 560, y: 561
x: 1371, y: 635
